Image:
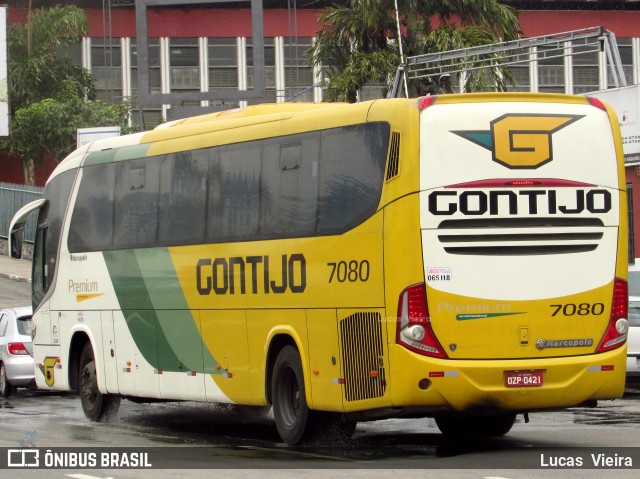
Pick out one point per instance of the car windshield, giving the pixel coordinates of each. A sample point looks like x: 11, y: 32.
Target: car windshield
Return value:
x: 25, y: 325
x: 634, y: 314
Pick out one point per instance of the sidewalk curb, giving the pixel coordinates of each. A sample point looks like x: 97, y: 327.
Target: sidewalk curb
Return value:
x: 15, y: 277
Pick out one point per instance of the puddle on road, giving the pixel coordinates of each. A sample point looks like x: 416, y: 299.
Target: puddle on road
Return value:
x: 84, y: 433
x: 27, y: 402
x: 623, y: 412
x: 597, y: 417
x: 17, y: 412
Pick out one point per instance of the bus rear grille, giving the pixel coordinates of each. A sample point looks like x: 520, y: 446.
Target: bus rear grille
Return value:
x: 520, y: 250
x: 393, y: 164
x: 520, y: 236
x: 363, y: 356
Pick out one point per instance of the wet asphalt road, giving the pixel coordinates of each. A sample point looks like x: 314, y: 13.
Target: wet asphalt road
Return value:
x: 14, y: 293
x: 246, y: 439
x: 243, y: 443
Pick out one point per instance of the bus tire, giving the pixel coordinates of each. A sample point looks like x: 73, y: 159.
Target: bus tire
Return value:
x: 290, y: 410
x: 6, y: 389
x: 476, y: 426
x: 96, y: 406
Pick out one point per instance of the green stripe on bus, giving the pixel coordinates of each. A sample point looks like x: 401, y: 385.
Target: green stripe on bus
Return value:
x: 139, y: 312
x: 175, y: 319
x: 117, y: 154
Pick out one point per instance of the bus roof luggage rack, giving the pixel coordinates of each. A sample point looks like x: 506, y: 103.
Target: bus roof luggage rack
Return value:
x: 557, y: 45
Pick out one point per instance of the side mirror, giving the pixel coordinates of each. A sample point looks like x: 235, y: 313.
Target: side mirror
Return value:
x: 16, y: 228
x: 15, y: 242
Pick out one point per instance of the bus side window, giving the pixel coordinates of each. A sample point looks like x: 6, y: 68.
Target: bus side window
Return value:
x: 136, y: 203
x: 91, y: 226
x: 183, y: 196
x: 290, y: 187
x: 233, y: 202
x: 351, y: 175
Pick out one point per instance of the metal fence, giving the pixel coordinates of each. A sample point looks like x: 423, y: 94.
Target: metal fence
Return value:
x: 12, y: 198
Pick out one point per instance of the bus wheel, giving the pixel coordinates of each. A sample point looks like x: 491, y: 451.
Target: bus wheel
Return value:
x: 290, y: 410
x: 96, y: 406
x: 6, y: 389
x: 479, y: 426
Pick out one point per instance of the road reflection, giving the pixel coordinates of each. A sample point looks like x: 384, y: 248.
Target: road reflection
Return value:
x: 235, y: 436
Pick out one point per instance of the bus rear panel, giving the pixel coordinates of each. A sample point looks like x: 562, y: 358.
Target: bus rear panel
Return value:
x: 523, y: 246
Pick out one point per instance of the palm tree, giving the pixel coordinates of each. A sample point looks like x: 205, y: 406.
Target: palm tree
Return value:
x: 358, y: 43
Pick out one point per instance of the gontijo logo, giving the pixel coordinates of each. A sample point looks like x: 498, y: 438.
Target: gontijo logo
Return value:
x: 520, y: 140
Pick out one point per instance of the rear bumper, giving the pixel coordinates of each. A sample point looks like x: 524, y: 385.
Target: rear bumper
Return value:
x: 479, y: 386
x: 20, y: 370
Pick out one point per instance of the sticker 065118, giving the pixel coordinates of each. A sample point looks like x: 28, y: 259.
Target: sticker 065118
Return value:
x: 439, y: 273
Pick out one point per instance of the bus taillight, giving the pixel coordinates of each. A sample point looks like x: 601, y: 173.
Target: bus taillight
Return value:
x: 426, y: 101
x: 596, y: 102
x: 414, y: 330
x: 616, y: 332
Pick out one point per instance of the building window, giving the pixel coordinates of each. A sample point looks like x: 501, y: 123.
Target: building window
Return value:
x: 586, y: 70
x: 106, y: 67
x: 625, y: 49
x: 269, y: 71
x: 298, y: 77
x: 152, y: 115
x: 223, y: 68
x: 551, y: 70
x: 184, y: 67
x: 521, y: 71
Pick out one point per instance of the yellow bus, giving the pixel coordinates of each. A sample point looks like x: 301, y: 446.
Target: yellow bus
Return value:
x: 462, y: 257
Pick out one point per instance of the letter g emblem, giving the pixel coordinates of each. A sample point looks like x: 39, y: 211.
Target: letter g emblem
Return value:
x: 520, y: 140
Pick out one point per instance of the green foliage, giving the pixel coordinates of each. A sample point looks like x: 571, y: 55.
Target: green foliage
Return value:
x: 48, y: 127
x: 51, y: 96
x: 36, y: 70
x: 359, y: 44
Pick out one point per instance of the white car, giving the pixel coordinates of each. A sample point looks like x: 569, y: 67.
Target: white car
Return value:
x: 633, y: 340
x: 16, y: 350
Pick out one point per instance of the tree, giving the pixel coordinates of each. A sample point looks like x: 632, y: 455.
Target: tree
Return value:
x: 49, y: 127
x: 36, y: 69
x: 358, y: 43
x: 50, y: 96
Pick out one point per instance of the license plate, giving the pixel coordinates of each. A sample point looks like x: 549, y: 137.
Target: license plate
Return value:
x: 519, y: 379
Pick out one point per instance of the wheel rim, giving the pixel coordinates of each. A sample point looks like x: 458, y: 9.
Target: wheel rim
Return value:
x: 88, y: 388
x: 291, y: 397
